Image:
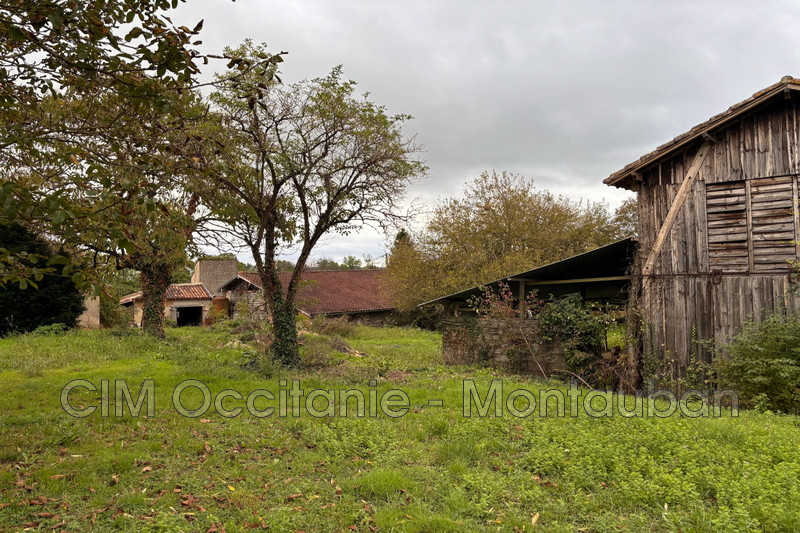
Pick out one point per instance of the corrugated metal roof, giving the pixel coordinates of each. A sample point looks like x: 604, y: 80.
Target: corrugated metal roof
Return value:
x: 610, y: 261
x: 620, y: 177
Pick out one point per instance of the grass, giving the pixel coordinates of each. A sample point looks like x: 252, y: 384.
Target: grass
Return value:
x: 430, y: 470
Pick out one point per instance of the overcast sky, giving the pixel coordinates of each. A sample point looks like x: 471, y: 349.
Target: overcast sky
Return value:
x: 564, y: 92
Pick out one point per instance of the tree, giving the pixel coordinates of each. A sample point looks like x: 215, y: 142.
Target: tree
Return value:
x: 626, y: 217
x: 53, y: 300
x: 500, y: 226
x: 300, y: 161
x: 82, y: 50
x: 351, y: 262
x: 125, y: 193
x: 326, y: 263
x: 91, y: 52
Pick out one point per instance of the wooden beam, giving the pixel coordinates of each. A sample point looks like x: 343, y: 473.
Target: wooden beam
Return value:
x: 675, y: 208
x: 576, y: 280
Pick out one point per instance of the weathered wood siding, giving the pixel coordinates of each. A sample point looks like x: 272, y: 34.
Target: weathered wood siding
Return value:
x: 727, y: 257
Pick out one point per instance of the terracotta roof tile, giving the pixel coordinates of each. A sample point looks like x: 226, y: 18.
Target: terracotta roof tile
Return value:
x: 332, y: 292
x: 175, y: 291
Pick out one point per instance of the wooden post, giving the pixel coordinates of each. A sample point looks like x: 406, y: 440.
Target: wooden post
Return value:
x: 674, y: 209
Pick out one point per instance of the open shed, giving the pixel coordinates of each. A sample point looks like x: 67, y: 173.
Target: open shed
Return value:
x: 599, y: 275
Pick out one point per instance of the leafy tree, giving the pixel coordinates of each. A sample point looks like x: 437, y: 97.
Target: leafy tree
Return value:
x: 301, y: 161
x: 92, y: 87
x: 325, y: 263
x: 282, y: 265
x: 351, y: 262
x: 53, y: 300
x: 82, y: 51
x: 626, y: 218
x: 500, y: 226
x: 125, y: 193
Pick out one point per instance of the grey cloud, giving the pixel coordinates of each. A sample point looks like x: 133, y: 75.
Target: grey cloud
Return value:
x: 565, y: 92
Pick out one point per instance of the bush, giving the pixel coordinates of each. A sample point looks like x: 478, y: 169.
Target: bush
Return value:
x: 54, y: 301
x: 339, y: 326
x: 51, y: 329
x: 762, y: 364
x: 568, y: 321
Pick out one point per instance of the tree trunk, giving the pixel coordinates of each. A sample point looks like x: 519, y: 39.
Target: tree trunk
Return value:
x: 154, y: 279
x: 284, y: 344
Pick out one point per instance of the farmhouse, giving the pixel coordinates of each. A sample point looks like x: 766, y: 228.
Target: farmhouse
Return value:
x: 718, y: 225
x: 188, y: 304
x: 360, y: 294
x: 218, y: 287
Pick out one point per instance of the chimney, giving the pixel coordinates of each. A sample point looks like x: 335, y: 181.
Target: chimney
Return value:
x: 213, y: 273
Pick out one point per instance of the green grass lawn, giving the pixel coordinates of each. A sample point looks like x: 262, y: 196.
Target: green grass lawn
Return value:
x: 430, y: 470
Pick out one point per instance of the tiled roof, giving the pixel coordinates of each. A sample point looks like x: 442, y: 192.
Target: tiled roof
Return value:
x: 620, y: 177
x: 333, y: 292
x: 175, y: 291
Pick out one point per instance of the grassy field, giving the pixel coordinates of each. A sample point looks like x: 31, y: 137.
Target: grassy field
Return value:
x: 428, y: 471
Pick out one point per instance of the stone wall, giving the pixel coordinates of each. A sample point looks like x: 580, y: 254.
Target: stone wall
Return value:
x: 90, y: 318
x: 214, y: 272
x: 513, y: 343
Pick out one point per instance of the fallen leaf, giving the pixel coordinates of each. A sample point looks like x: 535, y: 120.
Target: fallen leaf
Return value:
x: 534, y: 519
x: 147, y: 469
x: 114, y: 480
x: 58, y: 476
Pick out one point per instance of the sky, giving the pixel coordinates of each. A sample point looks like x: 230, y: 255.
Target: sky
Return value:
x: 564, y: 92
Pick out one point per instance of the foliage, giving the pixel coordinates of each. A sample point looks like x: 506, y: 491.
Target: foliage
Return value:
x: 431, y: 470
x: 626, y: 218
x: 501, y: 303
x: 298, y: 162
x: 762, y: 364
x: 501, y: 225
x: 51, y: 329
x: 339, y: 326
x: 567, y: 321
x: 351, y: 262
x: 28, y: 305
x: 60, y: 63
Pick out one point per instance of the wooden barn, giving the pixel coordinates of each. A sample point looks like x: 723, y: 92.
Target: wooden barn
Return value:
x: 719, y: 225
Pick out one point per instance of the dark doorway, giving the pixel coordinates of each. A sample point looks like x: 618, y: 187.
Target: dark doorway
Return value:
x: 189, y: 316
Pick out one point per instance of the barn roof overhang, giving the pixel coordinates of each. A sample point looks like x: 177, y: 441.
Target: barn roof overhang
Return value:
x: 607, y: 266
x: 626, y: 177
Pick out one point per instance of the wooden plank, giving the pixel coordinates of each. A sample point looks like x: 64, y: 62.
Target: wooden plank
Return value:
x: 771, y: 197
x: 727, y: 237
x: 787, y: 237
x: 775, y: 227
x: 748, y: 194
x: 796, y: 215
x: 770, y: 212
x: 727, y: 223
x: 725, y: 201
x: 783, y: 186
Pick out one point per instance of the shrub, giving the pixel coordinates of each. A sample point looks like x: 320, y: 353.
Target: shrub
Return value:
x: 339, y: 326
x: 51, y: 329
x: 568, y: 321
x: 762, y: 364
x: 55, y: 298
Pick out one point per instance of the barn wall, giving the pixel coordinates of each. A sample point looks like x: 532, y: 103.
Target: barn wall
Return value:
x: 693, y: 295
